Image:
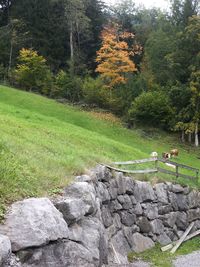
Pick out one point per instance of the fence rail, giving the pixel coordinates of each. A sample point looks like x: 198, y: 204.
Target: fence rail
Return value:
x: 157, y: 168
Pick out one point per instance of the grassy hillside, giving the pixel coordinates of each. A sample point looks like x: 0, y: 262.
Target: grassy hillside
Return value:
x: 43, y: 144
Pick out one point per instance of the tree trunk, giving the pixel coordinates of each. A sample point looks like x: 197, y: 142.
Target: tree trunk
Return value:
x: 196, y: 134
x: 183, y: 136
x: 71, y: 50
x: 190, y: 138
x: 10, y: 57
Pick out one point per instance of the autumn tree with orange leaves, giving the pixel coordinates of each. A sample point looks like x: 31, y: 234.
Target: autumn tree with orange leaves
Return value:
x: 113, y: 58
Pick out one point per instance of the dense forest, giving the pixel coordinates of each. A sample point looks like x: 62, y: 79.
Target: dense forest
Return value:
x: 141, y: 64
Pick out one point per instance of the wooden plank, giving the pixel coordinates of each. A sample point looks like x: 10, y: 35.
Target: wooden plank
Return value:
x: 135, y: 161
x: 178, y: 164
x: 180, y: 241
x: 174, y: 173
x: 167, y: 247
x: 186, y: 176
x: 166, y: 171
x: 131, y: 171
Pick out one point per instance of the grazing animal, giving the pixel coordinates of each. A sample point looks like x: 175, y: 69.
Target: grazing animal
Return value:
x: 154, y: 154
x: 174, y: 152
x: 166, y: 155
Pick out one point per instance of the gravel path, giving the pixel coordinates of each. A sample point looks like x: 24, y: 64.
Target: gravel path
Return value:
x: 190, y: 260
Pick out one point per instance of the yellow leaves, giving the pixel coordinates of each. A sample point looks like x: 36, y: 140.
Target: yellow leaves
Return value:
x: 113, y: 57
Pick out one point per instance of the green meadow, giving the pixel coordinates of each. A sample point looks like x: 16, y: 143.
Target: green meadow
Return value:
x: 44, y: 144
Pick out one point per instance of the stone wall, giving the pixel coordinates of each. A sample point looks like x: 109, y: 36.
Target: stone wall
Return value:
x: 98, y: 220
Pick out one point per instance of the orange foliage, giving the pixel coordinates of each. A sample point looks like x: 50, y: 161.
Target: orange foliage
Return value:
x: 113, y: 58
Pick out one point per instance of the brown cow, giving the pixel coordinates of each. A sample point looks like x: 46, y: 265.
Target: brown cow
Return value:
x: 174, y: 152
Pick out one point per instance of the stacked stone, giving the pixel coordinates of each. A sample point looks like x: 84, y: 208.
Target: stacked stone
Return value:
x: 140, y: 214
x: 97, y: 221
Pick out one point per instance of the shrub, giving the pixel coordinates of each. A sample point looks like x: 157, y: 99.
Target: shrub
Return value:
x: 69, y: 87
x: 152, y: 108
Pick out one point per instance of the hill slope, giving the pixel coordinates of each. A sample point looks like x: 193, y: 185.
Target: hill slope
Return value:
x: 44, y: 143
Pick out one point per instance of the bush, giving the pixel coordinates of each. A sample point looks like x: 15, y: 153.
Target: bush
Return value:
x: 94, y: 91
x: 152, y: 108
x: 32, y: 73
x: 69, y: 87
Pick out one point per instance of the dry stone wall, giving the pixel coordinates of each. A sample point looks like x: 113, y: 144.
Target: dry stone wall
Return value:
x: 97, y: 221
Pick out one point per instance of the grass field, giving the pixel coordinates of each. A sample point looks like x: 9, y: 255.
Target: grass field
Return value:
x: 164, y: 259
x: 43, y: 144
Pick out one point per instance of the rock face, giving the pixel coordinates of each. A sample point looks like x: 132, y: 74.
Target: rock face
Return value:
x: 32, y: 223
x: 98, y: 220
x: 5, y: 249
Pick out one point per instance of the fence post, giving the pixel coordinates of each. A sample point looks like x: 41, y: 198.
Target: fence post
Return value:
x: 197, y: 174
x: 156, y: 163
x: 176, y: 171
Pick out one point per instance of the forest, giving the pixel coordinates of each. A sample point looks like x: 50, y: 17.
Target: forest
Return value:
x: 141, y: 64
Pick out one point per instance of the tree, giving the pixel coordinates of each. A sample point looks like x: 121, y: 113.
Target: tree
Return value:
x: 32, y: 72
x: 113, y: 58
x: 153, y: 109
x: 78, y: 25
x: 195, y: 89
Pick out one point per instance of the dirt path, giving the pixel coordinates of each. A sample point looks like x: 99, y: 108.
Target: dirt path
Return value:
x: 190, y: 260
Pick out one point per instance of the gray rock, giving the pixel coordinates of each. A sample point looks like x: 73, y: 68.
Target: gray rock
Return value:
x: 182, y: 202
x: 73, y: 209
x: 113, y: 190
x: 106, y: 216
x: 121, y: 183
x: 173, y: 200
x: 102, y: 173
x: 102, y: 193
x: 119, y: 249
x: 193, y: 214
x: 59, y: 254
x: 138, y: 209
x: 181, y: 220
x: 177, y: 188
x: 144, y: 224
x: 161, y: 193
x: 170, y: 219
x: 130, y: 184
x: 128, y: 219
x: 114, y: 206
x: 13, y: 261
x: 34, y: 222
x: 157, y: 226
x: 5, y: 249
x: 143, y: 191
x: 141, y: 243
x: 151, y: 211
x: 83, y: 178
x: 164, y: 239
x: 194, y: 199
x: 133, y: 199
x: 127, y: 203
x: 117, y: 221
x: 83, y: 191
x: 164, y: 209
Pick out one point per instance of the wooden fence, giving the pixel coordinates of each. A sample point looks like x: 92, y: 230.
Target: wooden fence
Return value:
x: 173, y: 164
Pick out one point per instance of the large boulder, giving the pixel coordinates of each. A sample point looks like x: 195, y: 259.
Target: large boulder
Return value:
x: 59, y: 254
x: 5, y: 249
x: 33, y: 222
x: 141, y: 243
